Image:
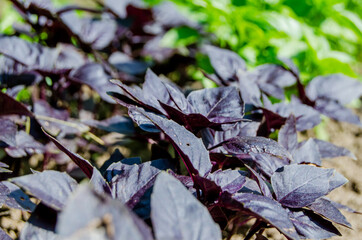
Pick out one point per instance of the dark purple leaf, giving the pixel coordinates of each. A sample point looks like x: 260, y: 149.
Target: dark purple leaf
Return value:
x: 155, y: 49
x: 25, y: 145
x: 219, y: 105
x: 155, y: 88
x: 240, y: 129
x: 344, y: 207
x: 228, y: 180
x: 167, y: 15
x: 51, y: 187
x: 97, y: 33
x: 116, y: 123
x: 177, y: 214
x: 16, y: 198
x: 9, y: 105
x: 329, y: 150
x: 93, y: 75
x: 287, y: 136
x: 120, y: 8
x: 268, y: 210
x: 297, y: 186
x: 190, y: 148
x: 55, y: 120
x: 8, y: 132
x: 130, y: 182
x: 335, y: 110
x: 41, y: 224
x: 306, y: 116
x: 83, y: 164
x: 99, y: 183
x: 272, y: 78
x: 256, y: 145
x: 312, y: 226
x: 4, y: 236
x: 3, y: 168
x: 307, y: 153
x: 264, y: 188
x: 265, y: 163
x: 226, y: 63
x: 336, y: 87
x: 32, y: 232
x: 326, y: 208
x: 249, y: 88
x: 137, y: 97
x: 29, y: 54
x: 143, y: 122
x: 126, y: 64
x: 111, y: 214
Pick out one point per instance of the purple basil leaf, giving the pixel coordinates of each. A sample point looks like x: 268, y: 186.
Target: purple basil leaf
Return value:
x: 4, y: 235
x: 256, y: 145
x: 51, y: 187
x: 99, y: 183
x: 143, y: 122
x: 326, y: 208
x: 32, y: 232
x: 306, y: 116
x: 249, y: 88
x: 329, y: 150
x: 272, y: 78
x: 41, y: 224
x: 335, y: 110
x: 269, y: 210
x: 155, y: 49
x: 116, y: 156
x: 312, y: 226
x: 97, y: 33
x: 240, y: 129
x: 69, y: 57
x: 48, y: 117
x: 16, y: 198
x: 25, y: 144
x: 265, y: 163
x: 4, y: 191
x: 116, y: 123
x: 336, y: 87
x: 155, y: 88
x: 190, y: 148
x: 307, y: 153
x: 8, y: 132
x: 126, y: 64
x: 9, y: 105
x: 93, y: 75
x: 120, y: 8
x: 274, y: 74
x: 167, y: 15
x: 135, y: 96
x: 228, y: 180
x: 3, y: 168
x: 297, y: 186
x: 130, y: 182
x: 29, y: 54
x: 343, y: 207
x: 219, y: 105
x: 83, y: 164
x: 226, y: 63
x: 177, y: 214
x: 287, y: 136
x: 264, y: 188
x: 92, y: 207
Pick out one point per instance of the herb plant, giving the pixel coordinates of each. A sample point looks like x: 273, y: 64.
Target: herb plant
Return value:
x: 214, y: 160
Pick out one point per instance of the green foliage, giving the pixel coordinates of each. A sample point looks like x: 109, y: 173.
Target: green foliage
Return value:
x: 321, y: 36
